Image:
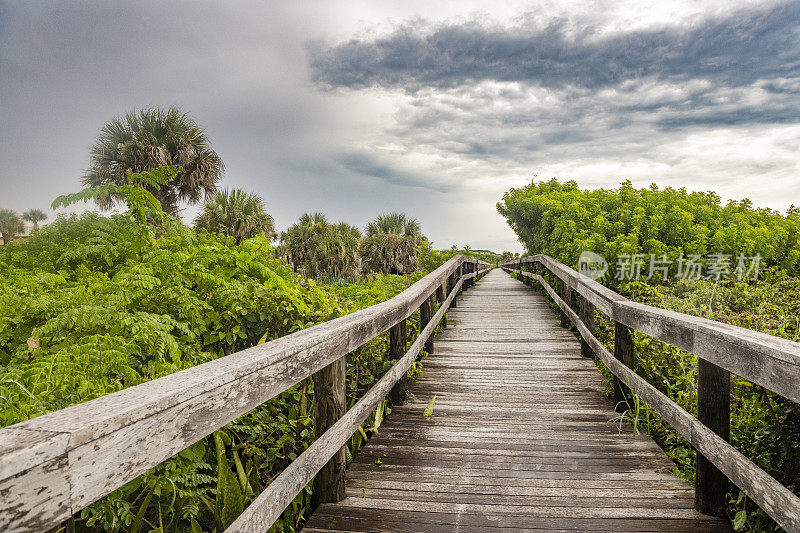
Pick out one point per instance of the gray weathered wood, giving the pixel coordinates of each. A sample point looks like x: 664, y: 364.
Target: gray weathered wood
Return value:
x: 425, y: 314
x: 769, y: 361
x: 270, y: 504
x: 451, y: 283
x: 566, y: 295
x: 397, y: 347
x: 775, y: 499
x: 587, y: 317
x: 623, y: 352
x: 490, y: 459
x: 95, y: 447
x: 330, y: 390
x: 441, y: 293
x: 714, y: 412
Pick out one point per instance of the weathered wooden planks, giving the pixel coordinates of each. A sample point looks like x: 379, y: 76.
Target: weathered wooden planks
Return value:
x: 57, y: 464
x: 521, y: 438
x: 776, y: 500
x: 772, y: 362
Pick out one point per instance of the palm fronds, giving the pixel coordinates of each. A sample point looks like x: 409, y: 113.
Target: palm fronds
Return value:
x: 151, y: 138
x: 237, y: 213
x: 390, y: 246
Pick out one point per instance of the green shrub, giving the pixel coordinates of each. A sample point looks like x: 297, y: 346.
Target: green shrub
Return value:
x: 562, y: 220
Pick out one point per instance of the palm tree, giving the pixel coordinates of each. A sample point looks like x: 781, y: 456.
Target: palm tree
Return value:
x: 298, y: 238
x: 153, y: 138
x: 236, y: 213
x: 10, y: 225
x: 34, y: 216
x: 337, y: 251
x: 323, y: 250
x: 390, y: 246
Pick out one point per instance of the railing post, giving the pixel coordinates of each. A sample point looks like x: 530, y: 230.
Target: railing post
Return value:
x: 714, y: 412
x: 623, y: 351
x: 587, y: 317
x: 451, y: 283
x: 566, y: 295
x: 441, y: 292
x: 425, y: 314
x: 397, y: 349
x: 329, y: 406
x: 456, y: 277
x: 441, y: 296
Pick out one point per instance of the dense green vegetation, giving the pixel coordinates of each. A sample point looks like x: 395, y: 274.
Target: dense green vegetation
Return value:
x: 764, y: 426
x: 91, y: 304
x: 152, y: 138
x: 236, y: 213
x: 390, y: 245
x: 34, y: 216
x: 562, y: 220
x: 10, y: 225
x: 320, y: 249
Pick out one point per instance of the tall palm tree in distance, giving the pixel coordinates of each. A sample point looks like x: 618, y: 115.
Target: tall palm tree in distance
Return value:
x: 10, y: 225
x: 390, y: 246
x: 34, y: 216
x: 151, y: 138
x: 236, y: 213
x: 299, y: 238
x: 322, y: 250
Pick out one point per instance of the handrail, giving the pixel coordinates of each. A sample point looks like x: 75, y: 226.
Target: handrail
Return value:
x: 55, y: 465
x: 772, y: 362
x: 769, y: 361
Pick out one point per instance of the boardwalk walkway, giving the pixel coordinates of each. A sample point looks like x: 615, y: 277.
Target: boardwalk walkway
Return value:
x: 521, y: 438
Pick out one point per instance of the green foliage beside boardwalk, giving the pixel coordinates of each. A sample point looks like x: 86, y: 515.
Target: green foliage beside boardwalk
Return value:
x: 562, y: 220
x: 90, y: 305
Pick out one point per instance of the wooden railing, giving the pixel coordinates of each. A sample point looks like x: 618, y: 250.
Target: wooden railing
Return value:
x: 55, y: 465
x: 721, y: 349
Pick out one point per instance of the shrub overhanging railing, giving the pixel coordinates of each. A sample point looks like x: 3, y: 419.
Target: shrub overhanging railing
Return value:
x: 53, y: 466
x: 721, y: 349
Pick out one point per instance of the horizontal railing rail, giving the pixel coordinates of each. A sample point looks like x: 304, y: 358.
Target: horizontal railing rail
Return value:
x: 54, y: 465
x: 721, y: 349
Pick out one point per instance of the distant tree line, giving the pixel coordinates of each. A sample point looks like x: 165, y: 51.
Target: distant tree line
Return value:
x: 562, y: 220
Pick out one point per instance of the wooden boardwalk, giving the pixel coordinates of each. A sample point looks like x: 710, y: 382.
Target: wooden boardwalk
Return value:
x: 522, y: 438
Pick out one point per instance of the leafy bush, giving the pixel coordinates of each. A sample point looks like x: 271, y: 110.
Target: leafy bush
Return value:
x: 90, y: 305
x: 561, y: 220
x: 764, y: 426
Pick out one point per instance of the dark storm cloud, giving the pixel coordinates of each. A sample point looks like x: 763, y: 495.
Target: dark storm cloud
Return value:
x: 385, y: 169
x: 736, y: 50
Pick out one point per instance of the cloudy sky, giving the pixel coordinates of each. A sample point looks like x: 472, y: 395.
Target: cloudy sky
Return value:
x: 431, y: 108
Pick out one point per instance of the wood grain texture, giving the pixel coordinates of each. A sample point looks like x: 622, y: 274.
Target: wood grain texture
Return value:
x: 775, y: 499
x: 623, y: 352
x: 330, y: 404
x: 769, y: 361
x: 587, y: 317
x: 76, y: 455
x: 521, y: 438
x: 425, y: 314
x: 714, y: 412
x: 270, y: 504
